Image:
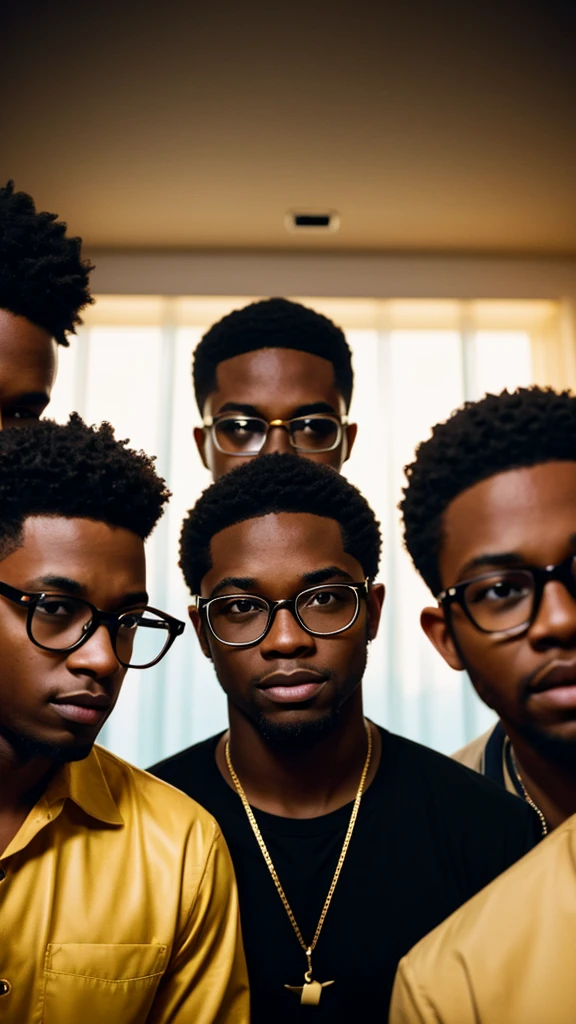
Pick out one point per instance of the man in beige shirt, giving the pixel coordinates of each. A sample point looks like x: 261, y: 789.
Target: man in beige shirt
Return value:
x: 506, y: 956
x: 490, y: 523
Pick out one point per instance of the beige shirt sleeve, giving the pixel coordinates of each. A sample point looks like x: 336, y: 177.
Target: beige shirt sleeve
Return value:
x: 207, y: 982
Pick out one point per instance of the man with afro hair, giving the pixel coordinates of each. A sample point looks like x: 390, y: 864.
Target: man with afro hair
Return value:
x: 370, y: 840
x: 490, y: 522
x: 43, y: 288
x: 118, y: 896
x: 273, y: 377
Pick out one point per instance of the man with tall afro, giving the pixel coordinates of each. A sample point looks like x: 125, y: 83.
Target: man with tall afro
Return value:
x: 118, y: 896
x: 490, y: 522
x: 275, y: 376
x: 43, y: 288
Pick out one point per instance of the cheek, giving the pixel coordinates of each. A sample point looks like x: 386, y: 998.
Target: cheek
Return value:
x: 234, y: 668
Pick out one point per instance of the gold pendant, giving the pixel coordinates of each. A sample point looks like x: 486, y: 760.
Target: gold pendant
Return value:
x: 311, y: 991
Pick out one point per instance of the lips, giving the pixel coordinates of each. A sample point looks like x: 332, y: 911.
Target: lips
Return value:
x: 82, y: 707
x: 292, y: 687
x: 555, y: 675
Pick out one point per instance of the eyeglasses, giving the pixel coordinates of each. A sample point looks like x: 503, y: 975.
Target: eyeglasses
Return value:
x: 239, y: 620
x: 59, y: 623
x: 507, y: 602
x: 246, y: 435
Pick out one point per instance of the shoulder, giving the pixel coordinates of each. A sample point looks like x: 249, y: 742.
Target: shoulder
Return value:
x: 451, y: 787
x: 472, y: 755
x: 497, y: 925
x: 139, y: 795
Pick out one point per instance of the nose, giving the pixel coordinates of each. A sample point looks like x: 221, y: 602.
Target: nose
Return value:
x: 96, y: 657
x: 277, y: 439
x: 287, y: 638
x: 555, y: 623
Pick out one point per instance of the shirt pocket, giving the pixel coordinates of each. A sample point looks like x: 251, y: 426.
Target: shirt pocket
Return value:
x: 88, y: 983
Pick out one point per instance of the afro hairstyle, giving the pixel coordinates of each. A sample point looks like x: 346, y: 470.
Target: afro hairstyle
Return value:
x: 271, y: 323
x: 75, y: 471
x: 512, y: 430
x: 42, y: 276
x: 272, y: 484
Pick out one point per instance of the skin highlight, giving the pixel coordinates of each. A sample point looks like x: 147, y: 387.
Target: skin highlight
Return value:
x: 274, y: 383
x: 274, y: 556
x: 529, y: 516
x: 28, y: 363
x: 103, y: 564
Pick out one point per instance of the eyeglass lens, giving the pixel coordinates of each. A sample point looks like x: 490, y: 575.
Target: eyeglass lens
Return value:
x: 59, y: 622
x: 243, y: 619
x: 501, y: 602
x: 241, y: 435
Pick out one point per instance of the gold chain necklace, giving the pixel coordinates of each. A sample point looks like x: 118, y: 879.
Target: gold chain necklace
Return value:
x: 311, y: 990
x: 528, y: 798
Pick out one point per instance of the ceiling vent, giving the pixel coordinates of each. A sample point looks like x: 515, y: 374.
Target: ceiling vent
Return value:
x: 307, y: 221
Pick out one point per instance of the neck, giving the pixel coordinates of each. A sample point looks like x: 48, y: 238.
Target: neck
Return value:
x: 22, y: 781
x: 551, y: 786
x: 301, y: 783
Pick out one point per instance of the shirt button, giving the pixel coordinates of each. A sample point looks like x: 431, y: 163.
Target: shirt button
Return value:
x: 5, y: 986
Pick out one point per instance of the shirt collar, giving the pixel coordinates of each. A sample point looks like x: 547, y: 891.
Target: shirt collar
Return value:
x: 84, y: 782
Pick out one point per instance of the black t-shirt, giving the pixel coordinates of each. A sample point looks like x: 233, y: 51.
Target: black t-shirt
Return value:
x: 429, y: 834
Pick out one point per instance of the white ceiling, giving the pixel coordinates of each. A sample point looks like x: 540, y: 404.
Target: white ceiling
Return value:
x: 429, y: 127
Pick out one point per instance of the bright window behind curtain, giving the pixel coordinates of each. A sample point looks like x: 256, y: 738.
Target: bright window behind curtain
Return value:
x: 414, y: 363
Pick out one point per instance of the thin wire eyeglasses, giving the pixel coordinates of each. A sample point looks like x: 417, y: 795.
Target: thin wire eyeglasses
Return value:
x: 60, y: 624
x: 242, y: 620
x: 240, y: 435
x: 507, y: 601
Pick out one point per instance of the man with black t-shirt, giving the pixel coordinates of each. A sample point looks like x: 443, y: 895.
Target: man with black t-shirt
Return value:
x: 349, y: 843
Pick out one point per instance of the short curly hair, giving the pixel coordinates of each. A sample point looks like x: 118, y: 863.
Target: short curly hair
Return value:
x: 502, y: 432
x: 42, y: 276
x: 75, y: 471
x: 271, y: 323
x: 272, y: 484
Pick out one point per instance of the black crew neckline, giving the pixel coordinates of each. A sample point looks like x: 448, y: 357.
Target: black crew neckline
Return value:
x: 279, y: 825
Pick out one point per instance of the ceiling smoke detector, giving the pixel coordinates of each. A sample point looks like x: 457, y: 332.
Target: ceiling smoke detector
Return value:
x: 310, y: 221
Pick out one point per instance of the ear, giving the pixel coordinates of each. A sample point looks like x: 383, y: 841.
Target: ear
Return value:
x: 198, y: 624
x: 374, y: 604
x: 433, y: 622
x: 351, y: 431
x: 200, y: 439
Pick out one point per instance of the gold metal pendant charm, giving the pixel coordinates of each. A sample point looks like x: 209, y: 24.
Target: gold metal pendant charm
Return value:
x: 311, y: 991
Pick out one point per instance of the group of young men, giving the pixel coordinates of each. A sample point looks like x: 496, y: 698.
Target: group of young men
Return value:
x: 318, y: 848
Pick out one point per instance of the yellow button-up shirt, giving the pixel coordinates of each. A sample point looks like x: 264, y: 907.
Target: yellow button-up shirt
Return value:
x: 118, y: 905
x: 506, y: 956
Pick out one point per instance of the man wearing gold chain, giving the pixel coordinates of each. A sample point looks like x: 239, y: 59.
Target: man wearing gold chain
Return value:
x: 490, y: 522
x: 349, y: 843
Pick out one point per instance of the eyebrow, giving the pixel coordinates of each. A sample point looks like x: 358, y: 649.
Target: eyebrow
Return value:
x: 302, y: 410
x: 56, y: 583
x: 500, y: 560
x: 30, y: 398
x: 249, y: 583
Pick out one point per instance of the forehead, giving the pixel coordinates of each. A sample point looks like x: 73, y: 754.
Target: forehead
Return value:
x: 279, y: 549
x: 531, y: 512
x: 103, y: 559
x: 27, y: 356
x: 276, y: 381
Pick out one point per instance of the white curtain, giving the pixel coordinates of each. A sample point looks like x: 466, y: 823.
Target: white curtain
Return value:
x: 414, y: 363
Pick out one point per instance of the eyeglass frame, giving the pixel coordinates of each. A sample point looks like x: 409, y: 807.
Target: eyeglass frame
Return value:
x: 202, y: 606
x: 111, y: 620
x: 561, y: 572
x: 210, y: 422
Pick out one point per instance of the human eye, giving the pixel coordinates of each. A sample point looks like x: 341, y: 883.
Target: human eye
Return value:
x: 240, y: 607
x: 325, y: 598
x: 240, y: 427
x: 500, y: 590
x: 56, y: 606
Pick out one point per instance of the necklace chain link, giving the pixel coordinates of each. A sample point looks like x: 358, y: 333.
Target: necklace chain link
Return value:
x: 528, y: 798
x: 308, y: 948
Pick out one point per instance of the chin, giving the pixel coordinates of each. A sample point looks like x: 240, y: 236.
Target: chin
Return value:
x: 27, y: 748
x: 285, y: 733
x: 556, y: 745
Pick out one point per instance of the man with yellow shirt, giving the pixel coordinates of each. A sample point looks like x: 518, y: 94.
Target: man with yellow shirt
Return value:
x: 117, y: 893
x: 506, y: 956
